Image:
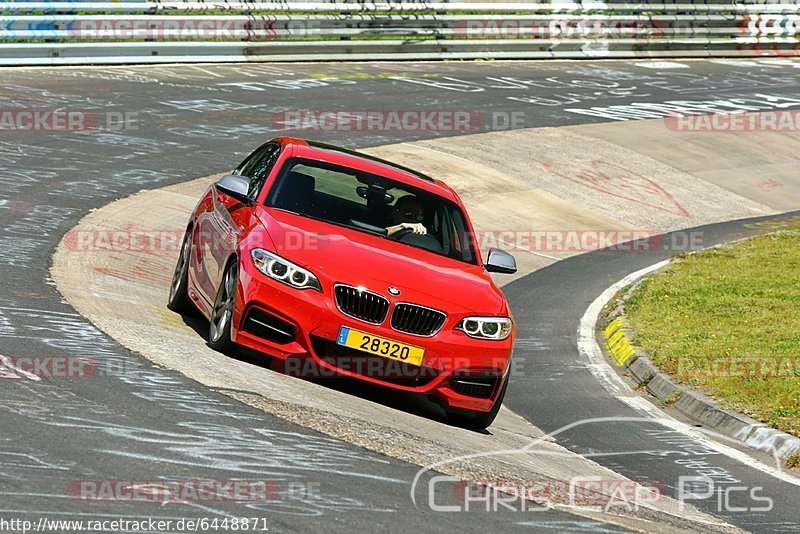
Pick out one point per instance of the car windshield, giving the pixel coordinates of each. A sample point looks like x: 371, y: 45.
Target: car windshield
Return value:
x: 373, y: 204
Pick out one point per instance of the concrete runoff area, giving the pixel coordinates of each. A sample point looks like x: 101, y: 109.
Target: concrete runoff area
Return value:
x: 549, y: 181
x: 760, y: 166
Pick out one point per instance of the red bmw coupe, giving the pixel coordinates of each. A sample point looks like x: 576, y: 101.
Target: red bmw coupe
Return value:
x: 319, y: 255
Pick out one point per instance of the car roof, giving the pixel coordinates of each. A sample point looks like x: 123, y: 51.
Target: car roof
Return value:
x: 364, y: 162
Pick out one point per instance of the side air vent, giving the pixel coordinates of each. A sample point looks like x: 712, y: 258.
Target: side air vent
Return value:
x: 267, y: 326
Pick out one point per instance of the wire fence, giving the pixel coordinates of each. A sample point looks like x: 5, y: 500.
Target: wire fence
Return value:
x: 136, y: 31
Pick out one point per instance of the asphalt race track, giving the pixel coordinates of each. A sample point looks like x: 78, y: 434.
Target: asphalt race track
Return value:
x: 548, y: 304
x: 164, y: 125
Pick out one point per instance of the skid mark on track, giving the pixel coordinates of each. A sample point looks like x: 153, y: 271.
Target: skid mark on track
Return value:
x: 618, y: 181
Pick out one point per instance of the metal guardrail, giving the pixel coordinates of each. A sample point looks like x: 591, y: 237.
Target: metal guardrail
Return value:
x: 365, y: 6
x: 150, y: 31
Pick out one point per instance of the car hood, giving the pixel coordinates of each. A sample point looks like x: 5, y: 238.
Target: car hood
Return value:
x: 352, y: 257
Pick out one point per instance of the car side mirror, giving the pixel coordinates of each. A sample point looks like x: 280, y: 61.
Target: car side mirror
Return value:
x: 234, y: 186
x: 500, y: 261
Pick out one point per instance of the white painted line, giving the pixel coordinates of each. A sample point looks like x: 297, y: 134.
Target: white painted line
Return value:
x: 613, y: 383
x: 661, y: 65
x: 440, y: 152
x: 644, y: 406
x: 527, y: 250
x: 587, y: 343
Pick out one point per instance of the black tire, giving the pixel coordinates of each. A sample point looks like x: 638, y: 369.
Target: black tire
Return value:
x: 480, y: 420
x: 219, y: 326
x: 178, y: 300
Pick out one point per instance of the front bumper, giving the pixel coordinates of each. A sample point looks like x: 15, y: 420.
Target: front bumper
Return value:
x: 457, y: 371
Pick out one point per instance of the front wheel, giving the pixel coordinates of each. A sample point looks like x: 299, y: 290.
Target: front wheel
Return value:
x: 179, y: 300
x: 219, y: 328
x: 480, y: 420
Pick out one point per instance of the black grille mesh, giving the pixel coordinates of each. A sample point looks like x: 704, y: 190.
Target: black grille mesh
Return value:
x: 362, y: 305
x: 417, y: 320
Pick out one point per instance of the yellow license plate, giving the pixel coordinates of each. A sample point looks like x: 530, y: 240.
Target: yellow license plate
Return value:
x: 355, y: 339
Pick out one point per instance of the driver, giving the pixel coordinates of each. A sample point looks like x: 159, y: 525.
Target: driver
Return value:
x: 407, y: 216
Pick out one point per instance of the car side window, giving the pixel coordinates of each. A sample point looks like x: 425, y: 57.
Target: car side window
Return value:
x: 257, y: 166
x: 455, y: 235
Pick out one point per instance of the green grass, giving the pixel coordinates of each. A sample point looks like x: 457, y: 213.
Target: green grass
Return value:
x: 793, y: 460
x: 727, y: 321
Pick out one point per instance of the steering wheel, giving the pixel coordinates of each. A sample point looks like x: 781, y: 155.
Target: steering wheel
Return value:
x: 428, y: 242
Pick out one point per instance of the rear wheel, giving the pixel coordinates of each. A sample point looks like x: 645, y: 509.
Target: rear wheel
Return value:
x: 480, y: 420
x: 219, y: 328
x: 179, y: 300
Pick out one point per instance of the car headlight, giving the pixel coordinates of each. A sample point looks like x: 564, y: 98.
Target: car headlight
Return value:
x: 283, y: 270
x: 496, y: 328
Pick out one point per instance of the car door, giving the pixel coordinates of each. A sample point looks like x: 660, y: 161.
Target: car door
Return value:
x: 229, y: 217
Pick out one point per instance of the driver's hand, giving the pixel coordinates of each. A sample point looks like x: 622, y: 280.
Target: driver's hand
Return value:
x: 417, y: 228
